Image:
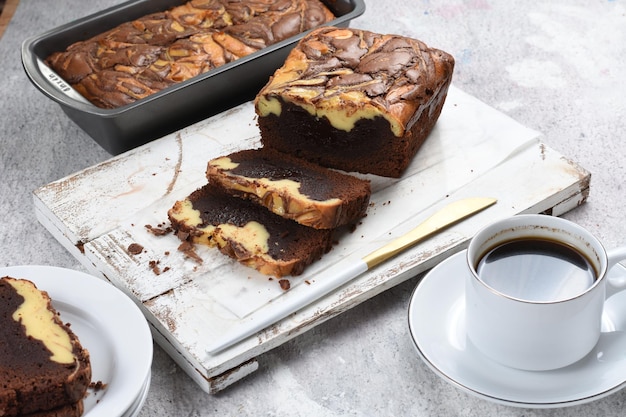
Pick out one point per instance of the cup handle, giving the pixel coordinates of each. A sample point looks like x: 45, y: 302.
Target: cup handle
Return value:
x: 615, y: 284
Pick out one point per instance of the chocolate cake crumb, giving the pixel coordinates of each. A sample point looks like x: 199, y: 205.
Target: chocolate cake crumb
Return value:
x: 188, y: 249
x: 98, y: 385
x: 158, y: 230
x: 284, y: 284
x: 154, y: 265
x: 135, y: 248
x: 182, y: 235
x: 81, y: 247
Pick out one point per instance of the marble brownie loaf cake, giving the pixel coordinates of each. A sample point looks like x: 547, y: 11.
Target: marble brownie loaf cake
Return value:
x: 143, y: 56
x: 44, y: 370
x: 247, y: 232
x: 290, y: 187
x: 355, y: 100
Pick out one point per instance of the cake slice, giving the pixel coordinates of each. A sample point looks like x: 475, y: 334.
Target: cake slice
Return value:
x: 291, y: 187
x: 44, y: 370
x: 71, y: 410
x: 247, y: 232
x: 355, y: 100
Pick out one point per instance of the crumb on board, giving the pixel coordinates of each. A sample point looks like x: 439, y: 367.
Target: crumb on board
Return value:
x: 158, y: 230
x: 156, y: 268
x: 135, y: 248
x: 189, y: 250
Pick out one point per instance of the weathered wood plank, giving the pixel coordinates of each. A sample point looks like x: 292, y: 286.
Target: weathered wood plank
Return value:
x: 474, y: 151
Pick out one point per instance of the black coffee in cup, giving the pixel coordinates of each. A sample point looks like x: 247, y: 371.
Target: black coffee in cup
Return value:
x: 535, y: 269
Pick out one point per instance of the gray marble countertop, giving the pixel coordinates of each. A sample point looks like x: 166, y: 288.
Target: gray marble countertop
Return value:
x: 558, y: 67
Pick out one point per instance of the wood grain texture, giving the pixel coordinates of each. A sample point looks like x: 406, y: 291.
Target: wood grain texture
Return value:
x: 7, y: 9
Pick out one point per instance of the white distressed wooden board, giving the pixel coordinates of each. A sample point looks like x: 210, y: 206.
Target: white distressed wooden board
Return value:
x: 98, y: 212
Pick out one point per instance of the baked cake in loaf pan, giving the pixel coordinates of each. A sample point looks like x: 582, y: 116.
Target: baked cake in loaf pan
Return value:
x: 290, y: 187
x: 170, y: 95
x: 355, y: 100
x: 143, y: 56
x: 247, y: 232
x: 44, y: 370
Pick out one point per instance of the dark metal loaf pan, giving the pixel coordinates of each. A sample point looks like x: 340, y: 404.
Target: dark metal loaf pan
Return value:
x: 118, y: 130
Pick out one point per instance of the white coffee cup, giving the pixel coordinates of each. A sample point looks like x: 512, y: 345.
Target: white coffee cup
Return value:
x: 523, y: 328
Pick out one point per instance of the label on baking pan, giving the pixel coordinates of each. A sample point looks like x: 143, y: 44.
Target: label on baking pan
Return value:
x: 59, y: 83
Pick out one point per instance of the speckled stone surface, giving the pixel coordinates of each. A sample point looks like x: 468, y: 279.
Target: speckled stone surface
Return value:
x: 558, y: 67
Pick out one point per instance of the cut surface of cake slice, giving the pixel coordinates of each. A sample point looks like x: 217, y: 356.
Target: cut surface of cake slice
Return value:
x: 247, y: 232
x: 44, y: 370
x: 355, y: 100
x: 291, y: 187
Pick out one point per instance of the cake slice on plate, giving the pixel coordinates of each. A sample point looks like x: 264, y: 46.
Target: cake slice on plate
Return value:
x: 44, y: 370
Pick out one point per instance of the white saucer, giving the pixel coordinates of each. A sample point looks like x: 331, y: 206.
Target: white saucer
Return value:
x: 110, y: 326
x: 437, y: 326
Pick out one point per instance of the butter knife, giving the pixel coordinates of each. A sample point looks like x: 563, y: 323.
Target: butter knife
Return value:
x: 445, y: 217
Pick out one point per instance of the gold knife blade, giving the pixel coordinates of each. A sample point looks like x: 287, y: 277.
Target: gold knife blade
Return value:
x: 447, y: 216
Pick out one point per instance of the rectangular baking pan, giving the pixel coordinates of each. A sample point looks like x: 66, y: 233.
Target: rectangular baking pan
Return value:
x: 118, y: 130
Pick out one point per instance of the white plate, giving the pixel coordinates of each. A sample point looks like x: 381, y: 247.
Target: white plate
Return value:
x: 135, y: 408
x: 437, y: 326
x: 109, y: 325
